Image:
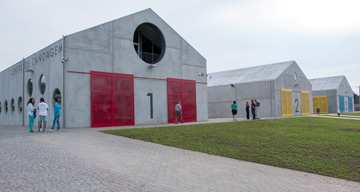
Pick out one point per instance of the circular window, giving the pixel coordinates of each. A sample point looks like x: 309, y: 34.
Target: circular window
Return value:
x: 6, y: 106
x: 12, y: 105
x: 20, y: 104
x: 57, y: 95
x: 29, y: 87
x: 149, y: 43
x: 42, y: 84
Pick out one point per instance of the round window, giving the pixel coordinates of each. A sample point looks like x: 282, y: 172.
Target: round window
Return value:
x: 20, y: 104
x: 149, y: 43
x: 29, y: 87
x: 6, y: 106
x: 42, y: 84
x: 57, y: 95
x: 12, y: 105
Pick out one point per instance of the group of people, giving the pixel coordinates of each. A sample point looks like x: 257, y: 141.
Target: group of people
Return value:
x: 255, y: 104
x: 42, y: 109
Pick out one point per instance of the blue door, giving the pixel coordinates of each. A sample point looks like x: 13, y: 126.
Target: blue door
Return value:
x: 342, y: 103
x: 350, y: 101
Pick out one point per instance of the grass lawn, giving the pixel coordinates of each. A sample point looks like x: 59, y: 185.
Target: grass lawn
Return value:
x: 352, y: 114
x: 323, y: 146
x: 343, y: 116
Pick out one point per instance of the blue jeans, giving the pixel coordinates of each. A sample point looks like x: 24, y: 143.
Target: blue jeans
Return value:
x: 31, y: 122
x: 56, y: 119
x: 253, y: 114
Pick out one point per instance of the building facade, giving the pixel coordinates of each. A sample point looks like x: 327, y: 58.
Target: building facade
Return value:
x: 128, y: 71
x: 281, y: 88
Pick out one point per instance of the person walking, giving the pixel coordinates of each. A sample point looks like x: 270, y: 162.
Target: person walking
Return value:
x: 234, y: 110
x: 30, y: 112
x: 57, y: 113
x: 247, y: 107
x: 43, y: 109
x: 178, y: 112
x: 253, y: 109
x: 257, y: 105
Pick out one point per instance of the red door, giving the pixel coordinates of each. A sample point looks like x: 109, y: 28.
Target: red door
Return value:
x: 112, y: 99
x: 184, y: 91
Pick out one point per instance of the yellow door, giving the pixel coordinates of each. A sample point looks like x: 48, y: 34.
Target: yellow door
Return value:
x: 286, y: 102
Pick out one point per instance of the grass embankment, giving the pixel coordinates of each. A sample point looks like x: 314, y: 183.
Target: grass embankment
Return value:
x: 344, y: 115
x: 351, y: 114
x: 323, y: 146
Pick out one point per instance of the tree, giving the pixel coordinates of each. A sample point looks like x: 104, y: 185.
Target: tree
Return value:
x: 356, y: 98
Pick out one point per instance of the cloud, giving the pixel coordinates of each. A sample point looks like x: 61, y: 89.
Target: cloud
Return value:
x: 307, y: 16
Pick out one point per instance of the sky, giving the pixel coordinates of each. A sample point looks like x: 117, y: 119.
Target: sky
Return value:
x: 322, y: 36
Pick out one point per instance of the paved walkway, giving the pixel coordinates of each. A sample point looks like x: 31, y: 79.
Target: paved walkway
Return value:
x: 84, y: 159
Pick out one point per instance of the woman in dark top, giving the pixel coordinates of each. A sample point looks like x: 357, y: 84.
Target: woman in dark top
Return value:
x: 247, y: 110
x: 253, y: 108
x: 234, y: 110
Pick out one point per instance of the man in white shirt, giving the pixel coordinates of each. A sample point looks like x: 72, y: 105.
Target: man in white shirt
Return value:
x: 43, y: 110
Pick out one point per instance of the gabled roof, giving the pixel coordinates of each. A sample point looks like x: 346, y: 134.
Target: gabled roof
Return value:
x: 247, y: 75
x: 326, y: 83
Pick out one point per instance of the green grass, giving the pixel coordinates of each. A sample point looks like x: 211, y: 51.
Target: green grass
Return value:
x: 343, y: 116
x: 352, y: 114
x: 323, y: 146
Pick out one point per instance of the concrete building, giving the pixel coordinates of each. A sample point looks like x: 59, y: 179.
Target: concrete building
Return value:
x: 127, y: 71
x: 332, y: 94
x: 281, y: 88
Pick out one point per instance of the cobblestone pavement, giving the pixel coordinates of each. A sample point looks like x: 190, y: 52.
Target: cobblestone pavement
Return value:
x: 84, y: 159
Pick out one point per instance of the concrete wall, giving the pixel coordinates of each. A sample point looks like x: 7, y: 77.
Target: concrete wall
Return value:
x: 12, y: 89
x: 46, y: 62
x: 202, y: 102
x: 142, y: 102
x: 221, y: 98
x: 109, y: 48
x: 262, y: 91
x: 333, y: 101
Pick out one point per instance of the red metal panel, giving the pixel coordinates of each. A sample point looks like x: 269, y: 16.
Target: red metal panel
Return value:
x: 101, y: 109
x: 124, y: 99
x: 189, y: 101
x: 112, y: 99
x: 184, y: 91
